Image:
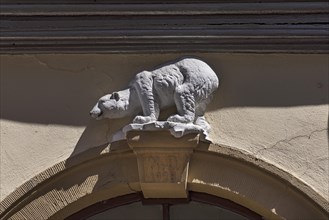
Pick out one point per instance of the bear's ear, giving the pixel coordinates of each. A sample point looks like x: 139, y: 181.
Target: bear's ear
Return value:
x: 115, y: 96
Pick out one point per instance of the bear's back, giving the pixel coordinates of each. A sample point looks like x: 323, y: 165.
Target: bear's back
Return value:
x: 189, y: 70
x: 199, y: 75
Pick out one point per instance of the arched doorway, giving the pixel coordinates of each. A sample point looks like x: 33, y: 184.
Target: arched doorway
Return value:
x: 197, y: 206
x: 223, y: 178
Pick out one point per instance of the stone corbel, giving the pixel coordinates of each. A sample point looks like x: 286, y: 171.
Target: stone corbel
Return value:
x: 163, y: 161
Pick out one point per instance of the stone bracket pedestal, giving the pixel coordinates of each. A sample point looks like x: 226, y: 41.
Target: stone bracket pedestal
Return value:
x: 163, y: 162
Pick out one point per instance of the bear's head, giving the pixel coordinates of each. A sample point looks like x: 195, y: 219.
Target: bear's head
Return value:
x: 111, y: 105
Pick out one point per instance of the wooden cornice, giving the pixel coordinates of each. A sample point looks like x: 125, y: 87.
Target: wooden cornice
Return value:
x: 164, y: 26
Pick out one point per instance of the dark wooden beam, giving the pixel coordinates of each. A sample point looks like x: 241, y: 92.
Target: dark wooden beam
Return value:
x: 174, y: 27
x: 165, y: 211
x: 164, y: 27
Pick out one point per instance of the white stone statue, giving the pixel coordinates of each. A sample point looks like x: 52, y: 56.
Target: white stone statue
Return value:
x: 187, y: 84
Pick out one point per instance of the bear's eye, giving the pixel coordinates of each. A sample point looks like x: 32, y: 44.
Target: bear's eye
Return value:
x: 115, y: 96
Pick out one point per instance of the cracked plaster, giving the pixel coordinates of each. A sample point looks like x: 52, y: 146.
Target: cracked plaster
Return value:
x: 299, y: 145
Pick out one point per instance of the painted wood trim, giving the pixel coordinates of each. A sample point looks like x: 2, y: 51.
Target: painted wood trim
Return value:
x: 218, y: 26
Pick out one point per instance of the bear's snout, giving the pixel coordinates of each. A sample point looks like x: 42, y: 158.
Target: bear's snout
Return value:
x: 96, y: 112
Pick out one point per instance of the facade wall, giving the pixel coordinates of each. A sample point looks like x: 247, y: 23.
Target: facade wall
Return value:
x: 272, y: 107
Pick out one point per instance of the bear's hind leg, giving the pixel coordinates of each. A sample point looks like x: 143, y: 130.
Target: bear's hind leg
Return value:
x: 201, y: 121
x: 185, y: 104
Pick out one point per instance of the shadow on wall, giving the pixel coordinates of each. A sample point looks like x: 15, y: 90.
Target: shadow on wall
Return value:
x: 56, y: 89
x: 271, y: 81
x: 61, y: 89
x: 97, y: 133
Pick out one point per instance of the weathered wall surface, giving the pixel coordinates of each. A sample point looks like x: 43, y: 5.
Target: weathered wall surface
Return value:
x: 272, y: 106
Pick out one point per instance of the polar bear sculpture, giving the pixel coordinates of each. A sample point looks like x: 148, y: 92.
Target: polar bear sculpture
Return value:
x: 187, y: 84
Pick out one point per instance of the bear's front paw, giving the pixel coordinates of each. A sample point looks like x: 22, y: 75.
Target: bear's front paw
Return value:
x: 143, y: 119
x: 179, y: 118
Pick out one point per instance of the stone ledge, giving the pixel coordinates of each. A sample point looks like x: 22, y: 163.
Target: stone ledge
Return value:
x: 176, y: 130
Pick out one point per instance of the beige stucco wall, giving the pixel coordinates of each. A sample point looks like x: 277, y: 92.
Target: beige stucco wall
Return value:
x: 274, y: 107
